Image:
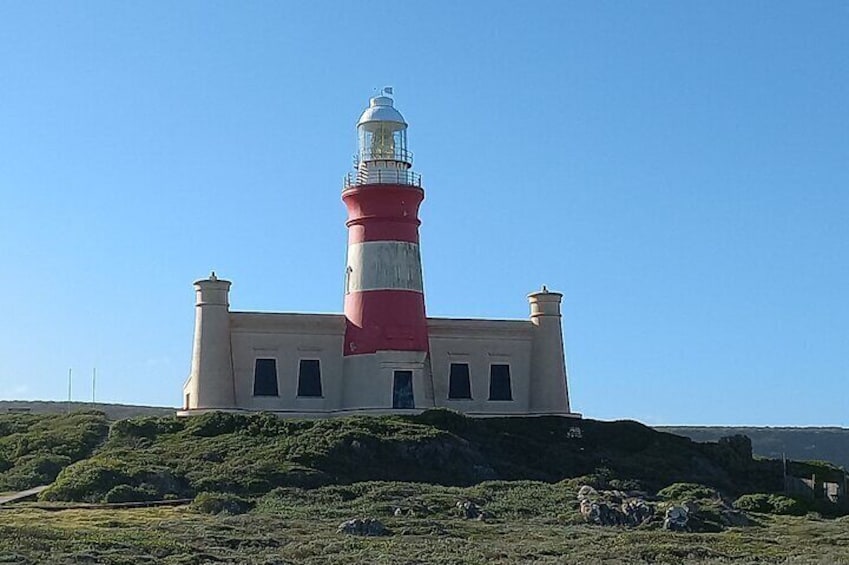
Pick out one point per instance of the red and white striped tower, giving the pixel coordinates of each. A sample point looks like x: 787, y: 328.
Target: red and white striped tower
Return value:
x: 386, y: 327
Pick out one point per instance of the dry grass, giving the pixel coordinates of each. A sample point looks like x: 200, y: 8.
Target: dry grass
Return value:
x: 179, y: 536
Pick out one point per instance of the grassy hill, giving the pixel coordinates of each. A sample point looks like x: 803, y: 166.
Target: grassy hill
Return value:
x: 809, y: 443
x: 250, y: 455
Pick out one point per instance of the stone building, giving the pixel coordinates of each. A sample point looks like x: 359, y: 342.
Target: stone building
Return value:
x: 383, y: 354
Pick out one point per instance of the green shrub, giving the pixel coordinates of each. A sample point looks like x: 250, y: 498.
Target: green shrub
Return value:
x: 687, y: 491
x: 771, y: 504
x: 35, y: 470
x: 443, y: 419
x: 124, y: 431
x: 93, y: 479
x: 35, y: 447
x: 215, y: 424
x: 126, y: 493
x: 786, y: 505
x: 87, y: 481
x: 216, y: 503
x: 754, y: 503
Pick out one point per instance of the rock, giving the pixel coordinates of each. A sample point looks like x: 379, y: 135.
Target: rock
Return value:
x: 691, y: 506
x: 676, y: 519
x: 398, y: 512
x: 362, y: 527
x: 469, y: 510
x: 734, y: 518
x: 586, y: 491
x: 613, y: 508
x: 600, y: 513
x: 636, y: 511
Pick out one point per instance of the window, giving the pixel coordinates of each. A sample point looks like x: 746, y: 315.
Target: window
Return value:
x: 458, y: 381
x: 402, y: 390
x: 309, y: 378
x: 265, y: 377
x: 499, y: 382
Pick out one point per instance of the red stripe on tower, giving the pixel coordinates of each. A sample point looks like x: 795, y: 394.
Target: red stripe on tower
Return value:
x: 384, y: 293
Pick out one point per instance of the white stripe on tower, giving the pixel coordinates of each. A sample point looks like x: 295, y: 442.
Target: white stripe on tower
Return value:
x: 384, y: 265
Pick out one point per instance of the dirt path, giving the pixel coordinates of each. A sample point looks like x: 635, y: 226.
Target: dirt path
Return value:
x: 21, y: 495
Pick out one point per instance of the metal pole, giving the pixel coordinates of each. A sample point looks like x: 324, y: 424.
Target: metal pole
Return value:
x: 784, y: 471
x: 69, y: 391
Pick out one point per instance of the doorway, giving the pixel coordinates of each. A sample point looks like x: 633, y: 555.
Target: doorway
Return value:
x: 402, y: 390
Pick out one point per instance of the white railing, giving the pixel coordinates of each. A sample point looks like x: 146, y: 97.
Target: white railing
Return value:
x: 382, y: 176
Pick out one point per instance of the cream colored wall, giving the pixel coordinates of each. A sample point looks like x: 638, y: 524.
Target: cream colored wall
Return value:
x: 481, y: 343
x: 364, y: 382
x: 368, y: 379
x: 287, y: 338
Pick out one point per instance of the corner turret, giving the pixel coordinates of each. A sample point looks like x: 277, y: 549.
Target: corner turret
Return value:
x: 549, y: 393
x: 210, y: 383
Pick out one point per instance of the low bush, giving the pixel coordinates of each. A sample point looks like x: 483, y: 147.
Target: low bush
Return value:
x: 34, y: 448
x: 771, y: 504
x: 92, y: 480
x: 216, y: 503
x: 32, y: 470
x: 687, y: 491
x: 127, y: 431
x: 126, y: 493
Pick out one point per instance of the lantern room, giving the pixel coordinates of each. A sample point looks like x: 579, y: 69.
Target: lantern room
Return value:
x: 382, y: 156
x: 383, y: 133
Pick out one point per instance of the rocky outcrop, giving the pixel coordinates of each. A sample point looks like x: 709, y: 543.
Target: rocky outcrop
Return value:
x: 363, y: 527
x: 614, y: 508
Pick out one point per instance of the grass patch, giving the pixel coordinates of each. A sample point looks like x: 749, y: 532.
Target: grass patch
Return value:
x: 308, y: 535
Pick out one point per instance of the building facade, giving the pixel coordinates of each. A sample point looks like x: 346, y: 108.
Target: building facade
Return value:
x: 383, y: 354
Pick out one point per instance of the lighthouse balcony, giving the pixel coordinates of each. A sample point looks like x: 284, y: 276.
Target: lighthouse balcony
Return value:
x: 382, y: 176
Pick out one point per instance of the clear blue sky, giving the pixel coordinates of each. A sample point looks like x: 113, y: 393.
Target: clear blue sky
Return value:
x: 679, y: 170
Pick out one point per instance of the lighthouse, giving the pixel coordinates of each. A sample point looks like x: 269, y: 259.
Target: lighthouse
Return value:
x: 386, y: 338
x: 382, y: 354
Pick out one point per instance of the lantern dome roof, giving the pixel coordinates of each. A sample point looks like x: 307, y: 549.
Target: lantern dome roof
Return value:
x: 381, y: 109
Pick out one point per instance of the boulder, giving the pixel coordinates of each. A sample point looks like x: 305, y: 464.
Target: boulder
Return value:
x: 586, y: 491
x: 613, y: 508
x: 469, y: 510
x: 636, y: 511
x: 362, y: 527
x: 676, y: 519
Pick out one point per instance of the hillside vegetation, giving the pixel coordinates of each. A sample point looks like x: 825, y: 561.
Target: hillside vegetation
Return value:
x: 34, y: 448
x: 808, y: 443
x: 249, y: 455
